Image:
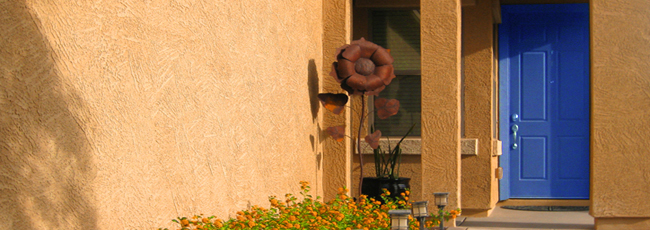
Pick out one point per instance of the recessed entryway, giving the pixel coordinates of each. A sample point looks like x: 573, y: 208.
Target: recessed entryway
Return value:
x: 544, y: 77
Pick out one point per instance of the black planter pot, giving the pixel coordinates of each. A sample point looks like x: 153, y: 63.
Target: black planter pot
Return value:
x: 373, y: 186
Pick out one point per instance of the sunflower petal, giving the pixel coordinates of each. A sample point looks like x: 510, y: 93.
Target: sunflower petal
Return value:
x: 373, y: 139
x: 373, y: 82
x: 345, y: 68
x: 376, y: 91
x: 335, y: 103
x: 367, y: 48
x: 381, y: 57
x: 352, y: 53
x: 356, y: 82
x: 385, y: 72
x: 336, y: 132
x: 386, y: 108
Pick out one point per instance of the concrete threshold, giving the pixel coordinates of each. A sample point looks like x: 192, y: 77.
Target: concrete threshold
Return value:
x: 519, y: 219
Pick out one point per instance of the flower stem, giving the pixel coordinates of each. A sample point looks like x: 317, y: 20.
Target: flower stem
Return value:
x: 363, y: 109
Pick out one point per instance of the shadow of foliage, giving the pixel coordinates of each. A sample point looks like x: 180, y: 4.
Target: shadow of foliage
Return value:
x: 46, y: 164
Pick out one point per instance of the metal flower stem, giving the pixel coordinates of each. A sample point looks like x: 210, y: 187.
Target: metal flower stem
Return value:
x: 442, y: 217
x: 422, y: 219
x: 363, y: 110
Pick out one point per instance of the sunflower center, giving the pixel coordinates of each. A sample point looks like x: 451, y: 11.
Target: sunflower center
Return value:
x: 364, y: 66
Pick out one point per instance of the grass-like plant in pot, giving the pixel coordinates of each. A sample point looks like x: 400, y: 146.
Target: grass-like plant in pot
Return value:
x: 365, y: 68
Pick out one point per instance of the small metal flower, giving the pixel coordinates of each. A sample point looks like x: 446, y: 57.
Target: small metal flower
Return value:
x: 363, y: 67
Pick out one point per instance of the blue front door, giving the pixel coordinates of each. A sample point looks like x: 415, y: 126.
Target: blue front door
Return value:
x: 544, y: 61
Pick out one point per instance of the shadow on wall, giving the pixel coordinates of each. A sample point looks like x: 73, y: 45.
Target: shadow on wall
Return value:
x: 45, y: 162
x: 312, y: 85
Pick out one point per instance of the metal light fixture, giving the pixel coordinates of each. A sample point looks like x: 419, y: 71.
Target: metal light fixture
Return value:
x: 441, y: 198
x: 399, y: 219
x: 420, y: 211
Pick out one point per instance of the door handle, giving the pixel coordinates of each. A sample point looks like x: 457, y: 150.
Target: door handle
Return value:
x: 514, y: 128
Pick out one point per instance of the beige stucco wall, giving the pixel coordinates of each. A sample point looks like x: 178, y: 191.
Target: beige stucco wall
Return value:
x: 620, y: 176
x: 479, y: 186
x: 337, y: 156
x: 441, y: 46
x: 126, y: 114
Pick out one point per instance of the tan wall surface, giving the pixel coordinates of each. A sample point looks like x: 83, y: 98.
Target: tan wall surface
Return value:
x: 620, y: 46
x: 123, y: 115
x: 440, y: 34
x: 337, y: 163
x: 479, y: 185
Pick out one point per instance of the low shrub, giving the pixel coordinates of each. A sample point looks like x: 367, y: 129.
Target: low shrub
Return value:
x: 342, y: 212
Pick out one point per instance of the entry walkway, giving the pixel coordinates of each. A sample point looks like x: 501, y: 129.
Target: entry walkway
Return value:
x: 515, y: 219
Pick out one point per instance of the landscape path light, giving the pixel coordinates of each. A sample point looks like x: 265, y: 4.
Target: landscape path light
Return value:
x: 420, y: 211
x: 399, y: 219
x: 441, y: 198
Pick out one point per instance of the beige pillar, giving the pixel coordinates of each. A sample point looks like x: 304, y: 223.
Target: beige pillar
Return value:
x: 337, y: 30
x: 479, y: 185
x: 440, y: 36
x: 620, y: 88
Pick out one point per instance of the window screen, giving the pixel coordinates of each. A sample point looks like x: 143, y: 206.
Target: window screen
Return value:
x: 399, y: 31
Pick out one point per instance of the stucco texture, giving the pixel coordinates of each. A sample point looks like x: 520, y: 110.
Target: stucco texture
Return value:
x: 440, y: 33
x: 126, y: 114
x: 620, y: 46
x: 479, y: 186
x: 337, y: 156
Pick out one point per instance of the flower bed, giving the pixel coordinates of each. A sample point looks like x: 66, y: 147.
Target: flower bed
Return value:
x: 343, y: 212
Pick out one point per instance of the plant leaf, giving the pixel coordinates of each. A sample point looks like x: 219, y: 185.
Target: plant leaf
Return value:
x: 386, y: 108
x: 373, y: 139
x: 337, y: 132
x: 333, y: 102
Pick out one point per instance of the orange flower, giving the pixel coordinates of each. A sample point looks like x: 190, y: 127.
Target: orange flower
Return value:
x: 185, y: 222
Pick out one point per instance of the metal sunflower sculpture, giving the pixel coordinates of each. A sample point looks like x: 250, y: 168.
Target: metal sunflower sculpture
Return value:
x: 365, y: 68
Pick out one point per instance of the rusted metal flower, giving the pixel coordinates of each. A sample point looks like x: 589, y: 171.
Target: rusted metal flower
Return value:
x: 363, y: 67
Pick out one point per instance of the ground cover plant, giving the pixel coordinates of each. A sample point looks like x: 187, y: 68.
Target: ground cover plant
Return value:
x: 342, y: 212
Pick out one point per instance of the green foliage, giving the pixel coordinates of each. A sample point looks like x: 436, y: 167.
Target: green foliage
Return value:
x: 385, y: 162
x: 342, y: 212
